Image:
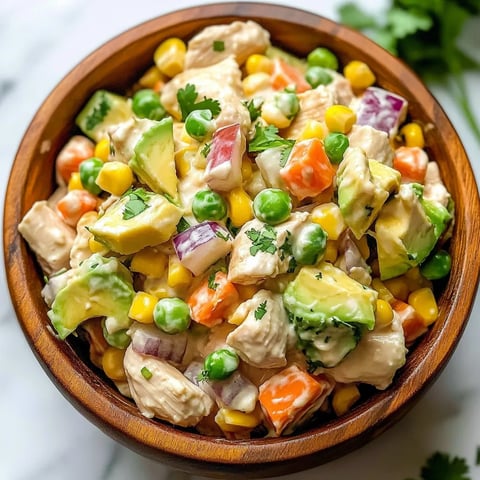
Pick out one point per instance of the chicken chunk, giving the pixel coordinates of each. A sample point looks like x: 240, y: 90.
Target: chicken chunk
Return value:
x: 379, y: 354
x: 313, y: 105
x: 373, y: 142
x: 222, y: 82
x: 434, y: 189
x: 260, y: 251
x: 261, y: 338
x: 49, y: 237
x: 240, y: 39
x: 341, y: 88
x: 168, y: 394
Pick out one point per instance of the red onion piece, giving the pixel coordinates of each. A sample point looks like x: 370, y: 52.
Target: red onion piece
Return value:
x: 202, y: 245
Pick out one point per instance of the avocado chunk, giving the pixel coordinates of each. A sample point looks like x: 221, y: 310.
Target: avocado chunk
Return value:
x: 154, y: 159
x: 136, y: 220
x: 384, y: 176
x: 103, y: 111
x: 361, y: 195
x: 99, y: 287
x: 329, y: 311
x: 405, y: 235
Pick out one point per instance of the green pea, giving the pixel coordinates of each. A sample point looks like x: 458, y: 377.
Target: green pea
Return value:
x: 272, y: 206
x: 208, y: 205
x: 287, y: 102
x: 437, y: 265
x: 146, y: 104
x: 89, y: 170
x: 118, y: 339
x: 171, y: 315
x: 335, y: 145
x: 309, y: 244
x: 322, y: 57
x: 199, y: 124
x: 316, y: 76
x: 220, y: 364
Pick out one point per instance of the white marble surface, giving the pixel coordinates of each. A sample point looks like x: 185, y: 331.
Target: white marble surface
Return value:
x: 42, y: 436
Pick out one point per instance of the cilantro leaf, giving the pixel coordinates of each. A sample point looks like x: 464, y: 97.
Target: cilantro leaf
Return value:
x: 405, y: 22
x: 99, y: 113
x: 353, y: 16
x: 260, y: 311
x: 254, y: 107
x: 262, y: 240
x: 267, y: 137
x: 212, y: 285
x: 182, y: 225
x: 206, y: 149
x: 222, y: 236
x: 440, y: 466
x: 136, y: 203
x: 187, y: 101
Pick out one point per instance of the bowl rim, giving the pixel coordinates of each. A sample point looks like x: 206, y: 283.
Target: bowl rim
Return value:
x: 122, y: 420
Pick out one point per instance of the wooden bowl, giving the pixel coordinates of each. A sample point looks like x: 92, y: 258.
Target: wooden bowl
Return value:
x: 115, y: 66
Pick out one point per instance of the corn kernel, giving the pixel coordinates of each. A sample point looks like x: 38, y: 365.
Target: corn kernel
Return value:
x: 75, y: 183
x: 424, y: 303
x: 152, y: 78
x: 149, y: 261
x: 330, y: 218
x: 312, y: 129
x: 234, y: 420
x: 257, y: 63
x: 102, y: 149
x: 169, y: 57
x: 142, y: 307
x: 178, y: 275
x: 383, y: 313
x: 247, y: 169
x: 115, y: 178
x: 383, y: 292
x: 344, y: 398
x: 256, y: 82
x: 95, y: 246
x: 240, y: 207
x: 413, y: 135
x: 331, y: 251
x: 274, y: 116
x: 340, y: 118
x: 398, y: 286
x: 183, y: 158
x: 359, y: 74
x: 112, y: 363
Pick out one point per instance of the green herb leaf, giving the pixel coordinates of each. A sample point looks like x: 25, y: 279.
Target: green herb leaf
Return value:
x: 318, y: 276
x: 440, y: 466
x: 354, y: 17
x: 187, y: 101
x: 146, y: 373
x: 254, y: 107
x: 211, y: 281
x: 206, y: 149
x: 136, y: 204
x: 218, y: 45
x: 99, y: 113
x: 267, y: 137
x: 182, y: 225
x: 405, y: 22
x: 222, y: 236
x: 260, y: 311
x: 263, y: 240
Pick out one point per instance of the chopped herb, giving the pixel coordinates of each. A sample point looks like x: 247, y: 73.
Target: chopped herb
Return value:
x: 254, y: 107
x: 267, y: 137
x: 99, y: 113
x: 369, y: 210
x: 318, y: 276
x: 286, y: 248
x: 327, y: 339
x: 218, y: 45
x: 262, y: 241
x: 136, y: 204
x: 211, y: 281
x: 146, y: 373
x: 182, y: 225
x: 93, y: 266
x: 203, y: 376
x: 261, y: 310
x: 206, y: 149
x: 187, y: 100
x: 440, y: 466
x: 292, y: 265
x: 222, y: 236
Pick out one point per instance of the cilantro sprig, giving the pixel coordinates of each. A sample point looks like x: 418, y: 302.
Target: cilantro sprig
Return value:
x: 260, y: 311
x: 187, y: 101
x: 441, y: 466
x: 262, y: 240
x: 267, y: 137
x: 425, y: 34
x: 136, y: 203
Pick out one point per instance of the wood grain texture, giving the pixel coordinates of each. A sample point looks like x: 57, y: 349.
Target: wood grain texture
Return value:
x: 115, y: 66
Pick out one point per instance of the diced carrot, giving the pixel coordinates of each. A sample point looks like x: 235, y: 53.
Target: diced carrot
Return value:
x: 412, y: 323
x: 308, y: 171
x: 287, y: 395
x: 412, y: 163
x: 284, y: 75
x: 210, y: 304
x: 76, y: 150
x: 74, y: 204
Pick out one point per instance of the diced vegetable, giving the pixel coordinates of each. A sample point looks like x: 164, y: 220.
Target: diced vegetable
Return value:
x: 412, y: 163
x: 171, y: 315
x: 202, y: 245
x: 75, y: 151
x: 285, y: 75
x: 75, y: 204
x: 308, y: 171
x: 224, y: 160
x: 211, y: 302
